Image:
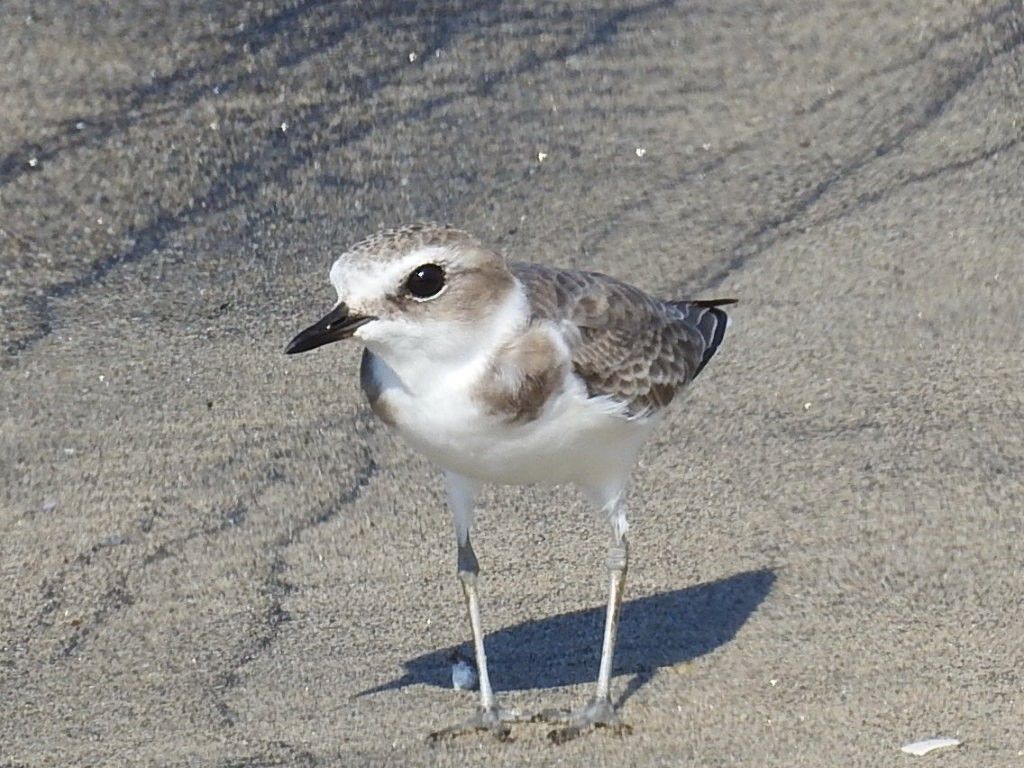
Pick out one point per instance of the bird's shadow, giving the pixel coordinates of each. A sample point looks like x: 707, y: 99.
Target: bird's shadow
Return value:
x: 656, y: 631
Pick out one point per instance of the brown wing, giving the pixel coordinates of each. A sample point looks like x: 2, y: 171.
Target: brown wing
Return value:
x: 625, y: 344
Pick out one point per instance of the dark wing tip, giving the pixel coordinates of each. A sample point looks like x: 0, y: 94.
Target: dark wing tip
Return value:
x: 712, y: 327
x: 710, y: 322
x: 713, y: 302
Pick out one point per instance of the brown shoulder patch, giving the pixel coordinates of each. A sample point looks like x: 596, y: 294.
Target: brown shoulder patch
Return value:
x: 522, y: 377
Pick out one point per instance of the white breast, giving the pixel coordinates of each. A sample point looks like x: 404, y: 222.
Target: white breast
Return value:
x: 574, y: 439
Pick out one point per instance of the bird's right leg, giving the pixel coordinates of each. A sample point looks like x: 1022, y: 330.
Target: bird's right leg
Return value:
x: 489, y: 716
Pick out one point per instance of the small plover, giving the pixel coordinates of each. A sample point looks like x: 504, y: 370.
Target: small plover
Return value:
x: 515, y: 373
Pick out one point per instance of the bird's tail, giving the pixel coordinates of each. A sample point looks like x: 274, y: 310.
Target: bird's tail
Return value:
x: 710, y: 321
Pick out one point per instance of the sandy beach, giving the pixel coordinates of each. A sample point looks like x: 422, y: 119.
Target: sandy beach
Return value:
x: 214, y: 555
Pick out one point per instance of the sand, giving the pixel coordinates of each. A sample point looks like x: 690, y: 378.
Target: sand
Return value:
x: 214, y: 555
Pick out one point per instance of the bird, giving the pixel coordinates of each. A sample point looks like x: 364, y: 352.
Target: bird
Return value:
x: 515, y: 373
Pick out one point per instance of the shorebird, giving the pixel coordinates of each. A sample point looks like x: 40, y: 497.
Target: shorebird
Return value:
x: 515, y: 373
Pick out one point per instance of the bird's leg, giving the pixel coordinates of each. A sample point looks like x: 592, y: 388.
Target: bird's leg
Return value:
x: 469, y: 571
x: 599, y: 712
x: 489, y: 716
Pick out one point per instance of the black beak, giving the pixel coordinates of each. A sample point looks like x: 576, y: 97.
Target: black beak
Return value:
x: 336, y: 325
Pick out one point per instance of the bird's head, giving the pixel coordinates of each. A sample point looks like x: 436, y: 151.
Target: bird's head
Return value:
x: 418, y: 291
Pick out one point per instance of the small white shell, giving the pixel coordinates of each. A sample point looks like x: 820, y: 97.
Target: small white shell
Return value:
x: 464, y: 675
x: 924, y: 747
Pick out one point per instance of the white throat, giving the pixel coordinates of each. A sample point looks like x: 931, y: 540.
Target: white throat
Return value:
x: 430, y: 355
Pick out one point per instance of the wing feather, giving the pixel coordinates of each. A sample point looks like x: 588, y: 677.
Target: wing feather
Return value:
x: 626, y: 345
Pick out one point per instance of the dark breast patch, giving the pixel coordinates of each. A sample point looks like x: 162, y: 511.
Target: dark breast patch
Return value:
x: 522, y: 377
x: 374, y: 392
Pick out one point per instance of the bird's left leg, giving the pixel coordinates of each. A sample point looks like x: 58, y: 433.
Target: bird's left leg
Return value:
x: 489, y: 716
x: 599, y: 711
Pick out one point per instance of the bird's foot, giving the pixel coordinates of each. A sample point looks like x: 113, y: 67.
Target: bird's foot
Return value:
x: 596, y: 713
x: 496, y: 720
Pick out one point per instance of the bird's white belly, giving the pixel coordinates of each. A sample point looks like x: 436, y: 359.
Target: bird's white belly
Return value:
x: 574, y: 440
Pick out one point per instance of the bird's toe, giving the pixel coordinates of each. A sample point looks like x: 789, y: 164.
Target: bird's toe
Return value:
x: 495, y: 720
x: 597, y: 713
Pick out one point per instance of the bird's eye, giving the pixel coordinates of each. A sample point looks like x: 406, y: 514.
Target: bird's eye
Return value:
x: 425, y: 281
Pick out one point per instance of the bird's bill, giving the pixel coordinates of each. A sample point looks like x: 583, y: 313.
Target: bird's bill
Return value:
x: 336, y: 325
